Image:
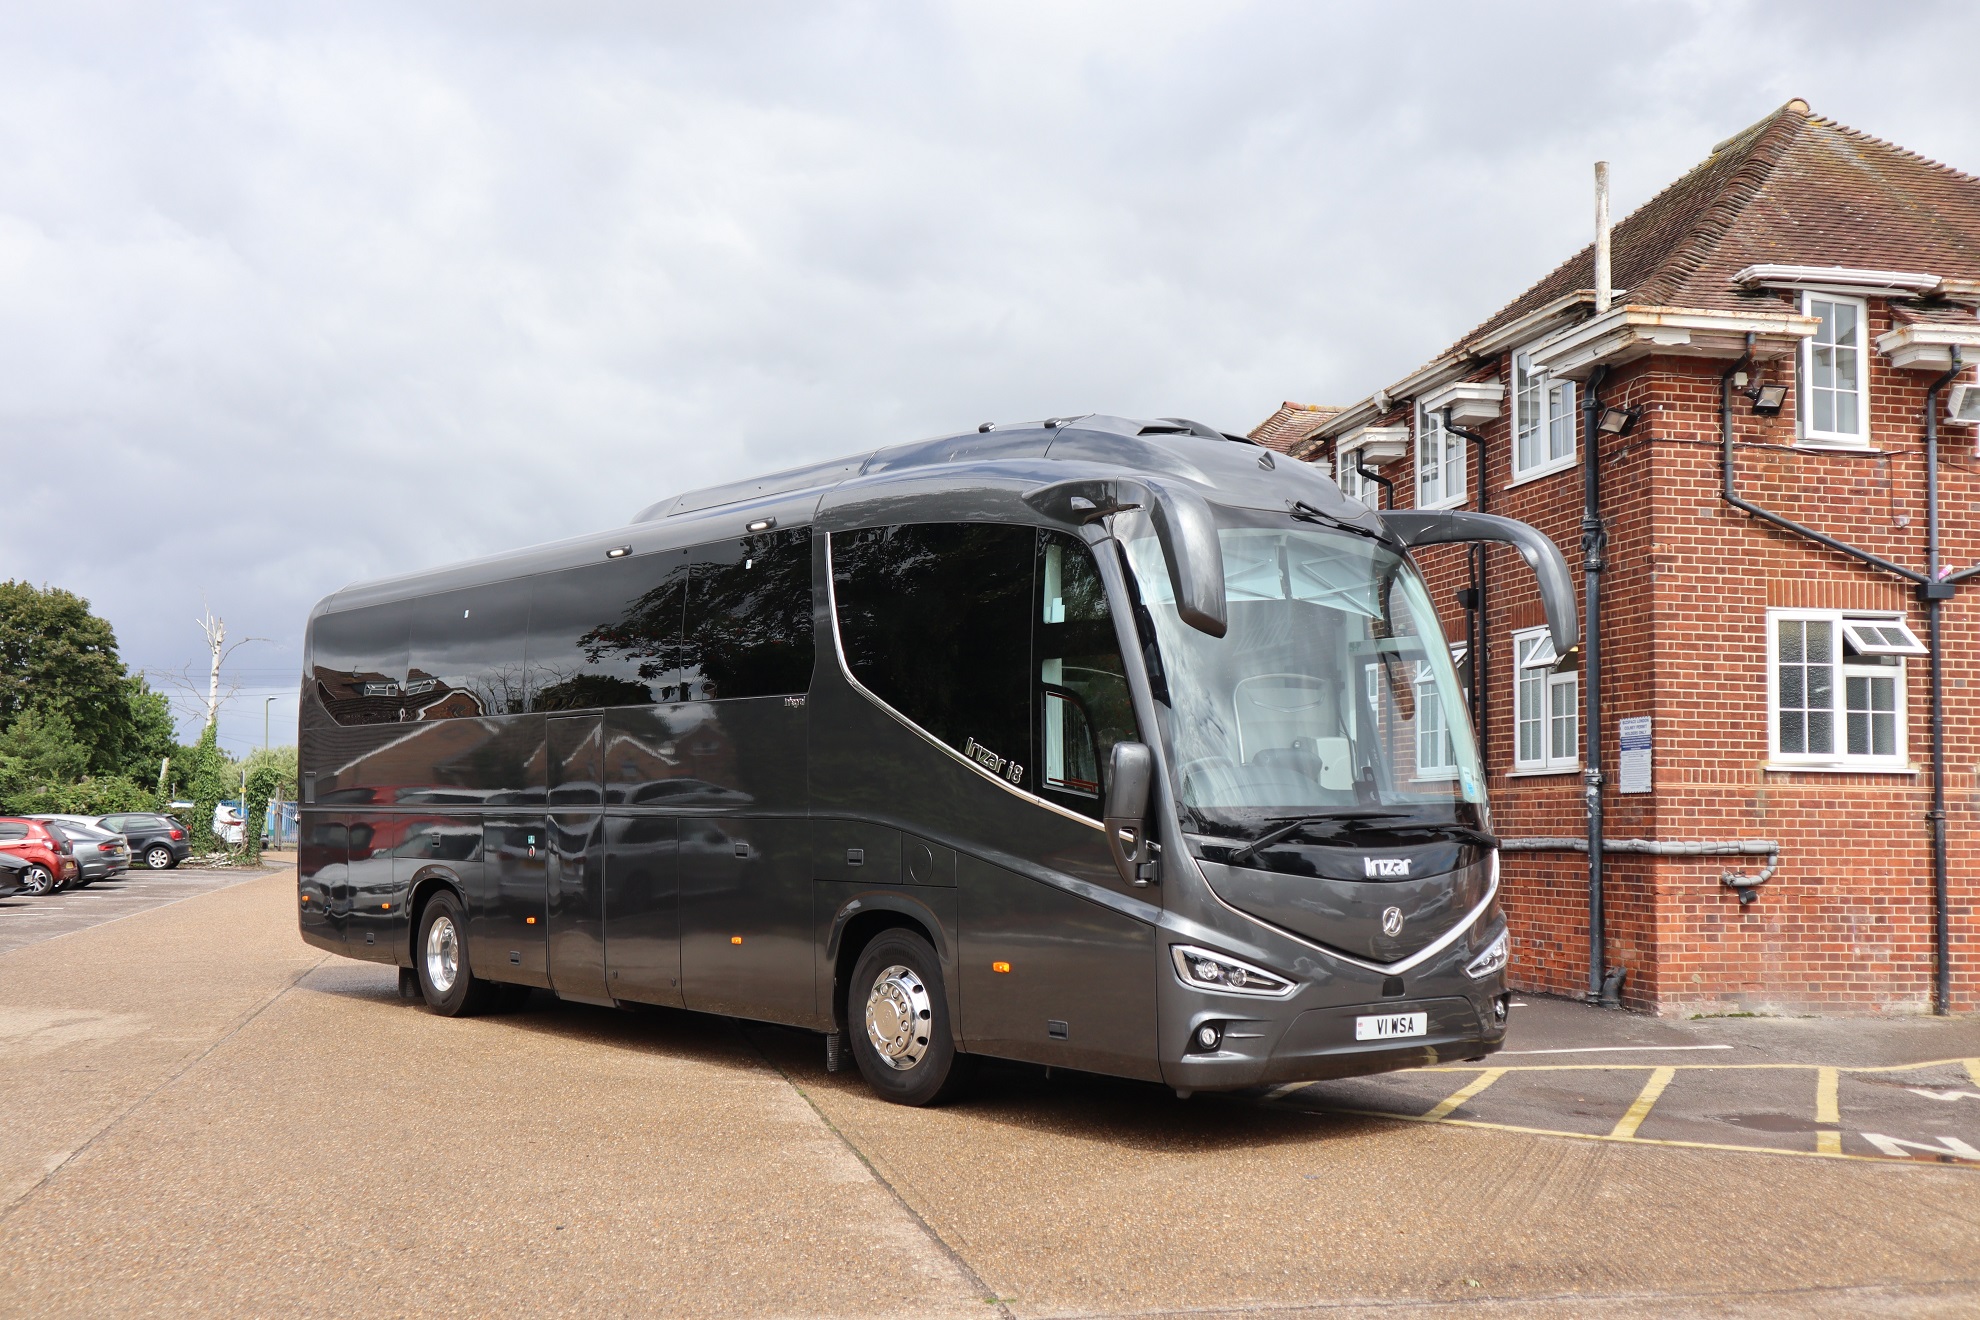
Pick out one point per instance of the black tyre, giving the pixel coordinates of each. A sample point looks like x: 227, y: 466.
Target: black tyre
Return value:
x: 898, y: 1020
x: 440, y: 957
x: 38, y: 879
x: 158, y: 857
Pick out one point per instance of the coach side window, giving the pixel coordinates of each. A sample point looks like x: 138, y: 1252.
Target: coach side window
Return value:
x: 606, y: 634
x: 748, y: 623
x: 467, y: 653
x: 1083, y: 702
x: 358, y: 662
x: 935, y: 621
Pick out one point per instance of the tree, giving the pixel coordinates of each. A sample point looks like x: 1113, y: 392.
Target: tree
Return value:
x: 153, y: 735
x: 58, y: 659
x: 39, y: 757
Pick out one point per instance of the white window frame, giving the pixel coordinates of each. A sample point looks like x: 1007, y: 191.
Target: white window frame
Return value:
x: 1534, y: 680
x: 1440, y: 463
x: 1842, y: 669
x: 1542, y: 406
x: 1427, y: 700
x: 1859, y: 438
x: 1352, y: 483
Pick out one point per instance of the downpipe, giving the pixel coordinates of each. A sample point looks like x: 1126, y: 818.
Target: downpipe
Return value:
x: 1594, y: 544
x: 1475, y: 608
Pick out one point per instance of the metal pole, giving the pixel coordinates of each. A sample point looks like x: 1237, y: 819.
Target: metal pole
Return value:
x: 265, y: 703
x: 1594, y: 539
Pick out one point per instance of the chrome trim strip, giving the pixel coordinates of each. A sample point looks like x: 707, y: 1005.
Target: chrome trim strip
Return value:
x: 1442, y: 942
x: 838, y: 650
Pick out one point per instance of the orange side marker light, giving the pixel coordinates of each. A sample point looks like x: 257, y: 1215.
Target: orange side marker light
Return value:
x: 1000, y: 967
x: 735, y: 939
x: 529, y: 921
x: 386, y: 906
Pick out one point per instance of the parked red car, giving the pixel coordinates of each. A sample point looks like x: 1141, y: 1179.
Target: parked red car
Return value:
x: 51, y: 861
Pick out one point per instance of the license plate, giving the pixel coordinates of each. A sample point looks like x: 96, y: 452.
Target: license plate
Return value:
x: 1391, y: 1026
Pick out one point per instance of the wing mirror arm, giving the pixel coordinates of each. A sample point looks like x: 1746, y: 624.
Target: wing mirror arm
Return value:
x: 1420, y: 527
x: 1184, y: 526
x: 1131, y: 773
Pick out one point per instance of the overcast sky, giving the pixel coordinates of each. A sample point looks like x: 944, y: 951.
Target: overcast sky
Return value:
x: 297, y: 294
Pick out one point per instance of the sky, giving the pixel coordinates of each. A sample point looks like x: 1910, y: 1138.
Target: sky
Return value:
x: 294, y: 295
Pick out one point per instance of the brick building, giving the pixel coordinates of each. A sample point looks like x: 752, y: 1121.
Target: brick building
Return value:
x: 1786, y: 683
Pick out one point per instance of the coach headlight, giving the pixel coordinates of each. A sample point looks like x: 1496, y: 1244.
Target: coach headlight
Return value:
x: 1494, y: 959
x: 1202, y: 970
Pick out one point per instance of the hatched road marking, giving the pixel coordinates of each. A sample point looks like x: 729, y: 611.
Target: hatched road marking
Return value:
x: 1828, y: 1131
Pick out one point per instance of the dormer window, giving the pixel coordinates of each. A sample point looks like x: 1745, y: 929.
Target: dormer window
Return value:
x: 1833, y: 408
x: 1542, y: 421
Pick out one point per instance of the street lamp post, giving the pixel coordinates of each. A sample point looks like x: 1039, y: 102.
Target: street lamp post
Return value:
x: 265, y: 703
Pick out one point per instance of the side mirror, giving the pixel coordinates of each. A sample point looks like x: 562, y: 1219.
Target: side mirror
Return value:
x: 1415, y: 528
x: 1183, y: 524
x: 1130, y: 775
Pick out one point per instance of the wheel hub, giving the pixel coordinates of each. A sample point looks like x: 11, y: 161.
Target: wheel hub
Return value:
x: 898, y: 1016
x: 443, y: 954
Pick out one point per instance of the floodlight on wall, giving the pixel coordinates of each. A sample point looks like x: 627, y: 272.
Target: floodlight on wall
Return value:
x: 1618, y: 421
x: 1768, y: 400
x: 1963, y: 403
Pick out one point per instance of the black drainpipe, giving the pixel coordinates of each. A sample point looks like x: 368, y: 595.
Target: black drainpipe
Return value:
x: 1388, y: 486
x: 1932, y: 589
x: 1602, y: 987
x: 1475, y: 604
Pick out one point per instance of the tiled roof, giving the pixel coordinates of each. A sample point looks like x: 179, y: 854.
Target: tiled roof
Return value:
x: 1294, y: 423
x: 1793, y: 189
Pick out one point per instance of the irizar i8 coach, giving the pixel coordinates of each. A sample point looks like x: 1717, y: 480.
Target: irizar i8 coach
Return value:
x: 1104, y: 744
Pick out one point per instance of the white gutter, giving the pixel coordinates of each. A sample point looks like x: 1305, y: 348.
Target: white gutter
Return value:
x: 1767, y: 276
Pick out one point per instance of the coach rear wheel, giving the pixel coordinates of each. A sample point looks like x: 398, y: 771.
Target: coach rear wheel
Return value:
x: 446, y: 979
x: 900, y: 1022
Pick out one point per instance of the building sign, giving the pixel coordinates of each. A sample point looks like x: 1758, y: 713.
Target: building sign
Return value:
x: 1635, y: 768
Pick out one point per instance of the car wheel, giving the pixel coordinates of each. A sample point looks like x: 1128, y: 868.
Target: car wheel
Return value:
x: 440, y: 957
x: 38, y: 879
x: 900, y: 1022
x: 158, y: 857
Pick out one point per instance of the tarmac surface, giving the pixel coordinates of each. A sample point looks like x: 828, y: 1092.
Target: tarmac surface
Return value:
x: 209, y: 1117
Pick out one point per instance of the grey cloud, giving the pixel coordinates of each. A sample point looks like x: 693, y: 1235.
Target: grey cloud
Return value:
x: 327, y: 291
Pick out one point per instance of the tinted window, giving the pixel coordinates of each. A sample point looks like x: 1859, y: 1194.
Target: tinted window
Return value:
x: 467, y: 653
x: 1083, y: 703
x: 606, y: 634
x: 748, y: 625
x: 935, y: 620
x: 13, y: 829
x: 358, y: 662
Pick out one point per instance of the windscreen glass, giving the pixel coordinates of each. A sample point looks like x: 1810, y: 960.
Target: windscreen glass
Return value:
x: 1331, y: 695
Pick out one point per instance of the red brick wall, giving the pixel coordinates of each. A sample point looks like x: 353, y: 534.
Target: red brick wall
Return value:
x: 1845, y: 925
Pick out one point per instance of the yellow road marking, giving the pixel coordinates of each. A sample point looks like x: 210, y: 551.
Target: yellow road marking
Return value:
x: 1465, y: 1093
x: 1659, y: 1079
x: 1971, y: 1065
x: 1828, y: 1142
x: 1973, y: 1070
x: 1641, y: 1141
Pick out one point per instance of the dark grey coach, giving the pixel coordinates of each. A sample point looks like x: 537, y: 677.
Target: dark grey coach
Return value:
x: 1112, y: 745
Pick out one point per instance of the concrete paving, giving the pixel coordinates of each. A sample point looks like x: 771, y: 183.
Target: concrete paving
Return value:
x: 29, y: 918
x: 209, y: 1117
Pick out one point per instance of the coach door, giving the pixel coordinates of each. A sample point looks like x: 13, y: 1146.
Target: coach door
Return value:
x: 576, y: 882
x: 997, y: 643
x: 740, y: 746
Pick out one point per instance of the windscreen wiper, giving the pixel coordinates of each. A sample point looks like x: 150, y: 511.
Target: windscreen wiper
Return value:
x: 1291, y: 828
x: 1305, y: 512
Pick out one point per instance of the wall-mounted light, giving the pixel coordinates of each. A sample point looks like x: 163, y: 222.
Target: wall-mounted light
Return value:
x: 618, y: 552
x: 1767, y: 399
x: 1618, y: 421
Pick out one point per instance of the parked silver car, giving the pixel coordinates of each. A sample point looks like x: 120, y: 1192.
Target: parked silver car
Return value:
x: 100, y: 853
